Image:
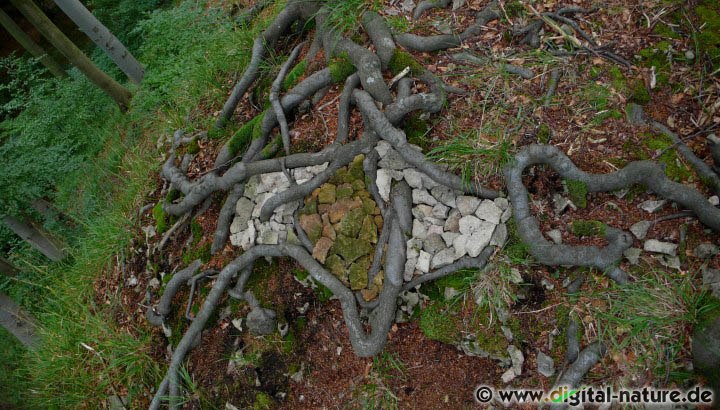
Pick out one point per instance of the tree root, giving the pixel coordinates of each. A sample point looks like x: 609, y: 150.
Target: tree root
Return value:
x: 426, y: 5
x: 275, y: 90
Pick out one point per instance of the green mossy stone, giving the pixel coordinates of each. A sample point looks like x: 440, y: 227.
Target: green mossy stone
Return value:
x: 358, y: 273
x: 368, y: 206
x: 351, y: 223
x: 350, y: 249
x: 368, y: 231
x: 312, y: 225
x: 310, y: 206
x: 336, y: 266
x: 344, y: 191
x: 327, y: 194
x: 358, y: 184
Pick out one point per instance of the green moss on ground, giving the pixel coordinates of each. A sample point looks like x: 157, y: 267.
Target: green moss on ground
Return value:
x: 402, y: 59
x: 639, y: 93
x: 341, y: 68
x: 588, y: 228
x: 438, y: 323
x: 708, y: 39
x: 577, y: 192
x: 674, y: 169
x: 543, y: 134
x: 244, y: 135
x: 294, y: 75
x: 416, y: 130
x: 161, y: 218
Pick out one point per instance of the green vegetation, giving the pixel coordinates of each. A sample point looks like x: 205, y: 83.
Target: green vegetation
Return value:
x: 639, y: 93
x: 708, y: 39
x: 416, y: 130
x: 374, y: 392
x: 674, y: 168
x: 244, y: 135
x: 341, y: 68
x: 402, y: 59
x: 294, y: 75
x: 577, y: 192
x: 438, y: 322
x: 588, y: 228
x: 161, y: 218
x: 398, y: 24
x: 543, y: 134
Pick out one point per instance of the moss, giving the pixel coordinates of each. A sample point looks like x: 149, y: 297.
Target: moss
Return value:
x: 201, y: 252
x: 663, y: 30
x: 639, y: 93
x: 294, y: 75
x: 543, y: 134
x: 242, y: 137
x: 618, y: 79
x: 161, y: 218
x: 197, y: 231
x: 674, y: 169
x: 438, y: 323
x: 656, y: 57
x: 272, y: 148
x: 577, y: 192
x: 708, y: 40
x: 515, y: 8
x: 597, y: 95
x: 402, y: 59
x: 601, y: 117
x: 341, y: 68
x: 193, y: 147
x: 515, y: 249
x: 262, y: 401
x: 595, y: 72
x: 416, y: 130
x: 399, y: 24
x: 588, y: 228
x: 172, y: 195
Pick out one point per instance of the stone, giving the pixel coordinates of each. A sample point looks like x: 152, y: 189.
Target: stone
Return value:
x: 340, y: 208
x: 640, y: 229
x: 413, y: 178
x: 422, y: 211
x: 502, y: 203
x: 350, y: 249
x: 435, y: 229
x: 547, y: 284
x: 442, y: 258
x: 251, y: 187
x: 560, y: 204
x: 358, y: 274
x: 267, y: 236
x: 632, y: 255
x: 327, y: 194
x: 506, y: 215
x: 274, y: 181
x: 517, y: 358
x: 555, y: 235
x: 316, y: 169
x: 321, y: 249
x: 652, y: 206
x: 711, y: 280
x: 667, y: 248
x: 421, y: 196
x: 672, y: 262
x: 392, y: 160
x: 368, y: 231
x: 467, y: 204
x: 243, y: 210
x: 440, y: 211
x: 444, y: 195
x: 238, y: 224
x: 423, y: 262
x: 418, y: 230
x: 488, y: 211
x: 351, y: 224
x: 499, y: 237
x: 382, y: 148
x: 634, y: 114
x: 460, y: 243
x: 469, y: 224
x: 714, y: 200
x: 291, y: 238
x: 450, y: 293
x: 312, y: 225
x: 261, y: 321
x: 335, y: 265
x: 479, y: 240
x: 515, y: 276
x: 508, y: 376
x: 344, y: 191
x: 328, y: 231
x: 259, y: 202
x: 383, y: 182
x: 433, y: 243
x: 449, y: 237
x: 706, y: 350
x: 410, y: 262
x: 706, y: 250
x: 545, y: 364
x: 452, y: 223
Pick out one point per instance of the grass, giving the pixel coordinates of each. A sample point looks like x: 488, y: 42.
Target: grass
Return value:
x: 374, y: 392
x: 85, y: 355
x: 649, y: 319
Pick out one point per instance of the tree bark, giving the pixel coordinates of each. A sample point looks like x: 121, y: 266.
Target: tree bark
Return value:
x: 56, y: 37
x: 7, y: 268
x: 18, y: 322
x: 104, y: 39
x: 29, y: 45
x: 36, y: 237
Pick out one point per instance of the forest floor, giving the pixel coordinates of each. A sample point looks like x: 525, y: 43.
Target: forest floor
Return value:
x: 647, y: 326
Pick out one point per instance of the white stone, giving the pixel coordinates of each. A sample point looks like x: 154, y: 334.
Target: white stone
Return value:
x: 413, y: 178
x: 442, y: 258
x: 652, y: 206
x: 479, y: 240
x: 383, y: 182
x: 714, y: 200
x: 440, y: 211
x: 237, y: 225
x: 640, y: 229
x: 438, y: 229
x: 545, y: 364
x: 422, y: 211
x: 444, y: 195
x: 488, y: 211
x: 459, y: 243
x: 243, y: 208
x: 499, y: 236
x: 469, y: 224
x: 632, y: 255
x: 506, y: 215
x: 421, y: 196
x: 247, y: 237
x: 452, y: 223
x: 259, y: 202
x: 467, y: 204
x: 502, y: 203
x: 316, y: 169
x: 410, y: 262
x: 653, y: 245
x: 392, y: 160
x: 508, y: 376
x: 415, y: 243
x: 449, y: 237
x: 561, y: 203
x: 555, y: 235
x: 423, y: 262
x: 382, y: 148
x: 517, y: 358
x: 275, y: 181
x: 418, y: 230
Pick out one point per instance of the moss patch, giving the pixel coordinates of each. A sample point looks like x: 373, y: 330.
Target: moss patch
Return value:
x: 708, y: 40
x: 543, y: 134
x: 438, y: 323
x: 161, y: 218
x: 402, y: 59
x: 294, y: 75
x: 674, y: 169
x: 577, y: 191
x: 341, y: 68
x: 416, y: 130
x: 588, y: 228
x: 243, y: 136
x: 639, y: 93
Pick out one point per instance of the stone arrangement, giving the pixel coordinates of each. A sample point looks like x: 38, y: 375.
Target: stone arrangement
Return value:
x: 342, y: 221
